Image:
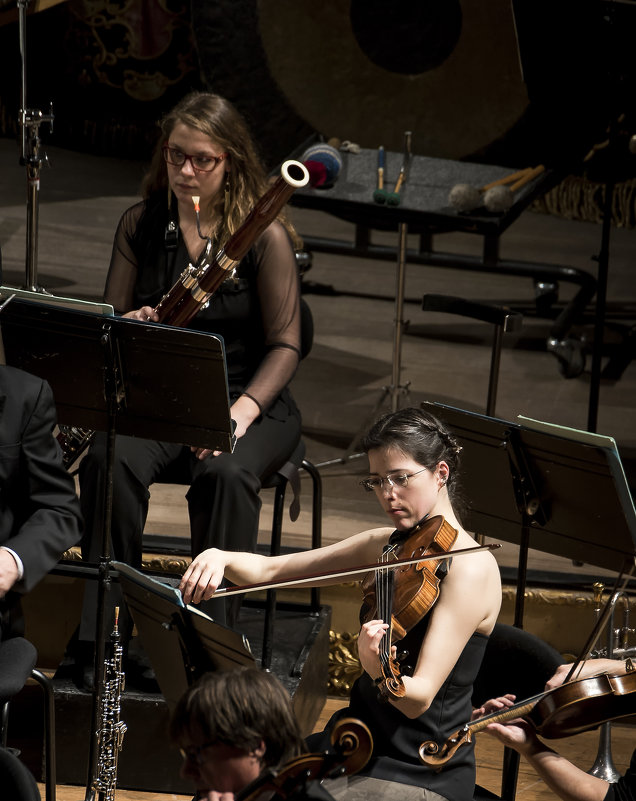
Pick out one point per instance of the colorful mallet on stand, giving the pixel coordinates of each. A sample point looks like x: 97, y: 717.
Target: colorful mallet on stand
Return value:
x: 379, y: 195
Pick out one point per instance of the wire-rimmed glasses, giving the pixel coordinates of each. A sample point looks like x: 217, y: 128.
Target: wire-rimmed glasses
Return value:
x: 397, y: 480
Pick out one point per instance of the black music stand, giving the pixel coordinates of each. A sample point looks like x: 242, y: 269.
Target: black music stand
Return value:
x: 109, y: 373
x: 542, y: 486
x: 554, y: 489
x: 182, y: 642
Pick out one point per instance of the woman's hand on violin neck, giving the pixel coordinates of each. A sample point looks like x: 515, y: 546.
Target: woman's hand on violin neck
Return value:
x: 203, y: 576
x: 369, y: 641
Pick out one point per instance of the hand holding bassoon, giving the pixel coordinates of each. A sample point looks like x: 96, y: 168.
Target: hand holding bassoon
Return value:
x: 198, y: 282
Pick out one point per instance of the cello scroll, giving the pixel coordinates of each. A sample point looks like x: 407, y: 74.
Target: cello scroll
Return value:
x: 352, y: 745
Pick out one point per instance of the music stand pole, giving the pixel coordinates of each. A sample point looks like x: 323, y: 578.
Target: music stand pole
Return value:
x: 399, y: 324
x: 601, y: 301
x: 395, y: 390
x: 114, y: 396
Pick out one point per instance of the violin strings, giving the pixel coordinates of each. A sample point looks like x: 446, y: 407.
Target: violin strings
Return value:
x: 384, y: 609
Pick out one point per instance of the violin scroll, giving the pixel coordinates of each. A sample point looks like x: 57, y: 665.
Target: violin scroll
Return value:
x: 432, y: 755
x: 390, y: 684
x: 352, y: 740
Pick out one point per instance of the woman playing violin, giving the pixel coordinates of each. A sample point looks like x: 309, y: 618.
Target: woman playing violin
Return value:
x: 413, y: 461
x: 567, y: 781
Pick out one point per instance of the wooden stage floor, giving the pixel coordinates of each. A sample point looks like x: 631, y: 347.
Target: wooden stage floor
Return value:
x: 582, y: 750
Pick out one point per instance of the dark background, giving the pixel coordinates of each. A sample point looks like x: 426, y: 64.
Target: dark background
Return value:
x: 112, y: 69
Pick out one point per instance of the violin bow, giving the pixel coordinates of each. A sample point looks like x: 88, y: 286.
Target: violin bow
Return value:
x: 352, y: 571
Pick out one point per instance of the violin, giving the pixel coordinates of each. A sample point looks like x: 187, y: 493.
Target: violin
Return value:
x: 563, y: 711
x: 352, y: 746
x: 403, y: 596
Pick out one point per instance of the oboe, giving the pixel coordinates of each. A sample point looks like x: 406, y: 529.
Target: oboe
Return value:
x: 112, y: 728
x: 197, y: 283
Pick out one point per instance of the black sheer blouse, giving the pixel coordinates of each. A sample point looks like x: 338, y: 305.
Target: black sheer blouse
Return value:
x: 257, y: 314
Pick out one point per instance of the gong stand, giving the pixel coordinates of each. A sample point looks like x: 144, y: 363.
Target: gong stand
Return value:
x: 31, y: 158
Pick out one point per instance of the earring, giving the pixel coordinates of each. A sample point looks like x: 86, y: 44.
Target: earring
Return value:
x: 226, y: 195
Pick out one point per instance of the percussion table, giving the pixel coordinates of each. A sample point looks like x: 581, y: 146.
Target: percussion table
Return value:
x: 424, y: 209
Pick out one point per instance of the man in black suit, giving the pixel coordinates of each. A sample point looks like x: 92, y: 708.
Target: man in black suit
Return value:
x: 39, y: 509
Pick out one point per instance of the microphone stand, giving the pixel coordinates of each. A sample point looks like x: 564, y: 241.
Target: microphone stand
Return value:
x: 30, y: 121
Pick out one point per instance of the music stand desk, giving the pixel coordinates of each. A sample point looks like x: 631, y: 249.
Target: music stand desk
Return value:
x: 167, y: 383
x: 581, y: 488
x: 182, y: 642
x: 124, y: 377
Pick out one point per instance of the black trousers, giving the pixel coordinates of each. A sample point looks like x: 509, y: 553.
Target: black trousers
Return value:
x: 223, y: 496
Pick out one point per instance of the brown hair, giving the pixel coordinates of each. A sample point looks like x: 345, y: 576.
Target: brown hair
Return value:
x: 241, y: 708
x: 219, y: 120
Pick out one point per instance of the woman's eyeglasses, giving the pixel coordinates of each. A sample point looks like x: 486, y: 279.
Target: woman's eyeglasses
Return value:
x: 178, y: 158
x: 397, y: 480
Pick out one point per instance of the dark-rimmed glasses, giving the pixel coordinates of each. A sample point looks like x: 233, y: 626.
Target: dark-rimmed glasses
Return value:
x: 178, y: 158
x: 194, y: 752
x: 398, y: 480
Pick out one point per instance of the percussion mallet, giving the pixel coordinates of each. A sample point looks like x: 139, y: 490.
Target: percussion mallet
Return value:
x: 499, y: 196
x: 466, y: 197
x: 393, y: 198
x: 379, y: 195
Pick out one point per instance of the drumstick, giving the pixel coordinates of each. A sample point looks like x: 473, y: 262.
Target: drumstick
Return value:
x: 393, y: 199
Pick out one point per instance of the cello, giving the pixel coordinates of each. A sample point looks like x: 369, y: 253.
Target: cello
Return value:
x: 352, y: 745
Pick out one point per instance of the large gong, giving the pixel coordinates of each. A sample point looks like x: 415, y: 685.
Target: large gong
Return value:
x: 367, y: 70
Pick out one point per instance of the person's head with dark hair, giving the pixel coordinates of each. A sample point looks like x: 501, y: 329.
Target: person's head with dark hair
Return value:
x: 231, y: 725
x: 414, y: 466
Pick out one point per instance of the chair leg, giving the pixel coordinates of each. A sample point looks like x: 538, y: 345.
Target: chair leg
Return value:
x: 510, y: 774
x: 316, y: 523
x: 49, y: 731
x: 4, y: 723
x: 270, y: 605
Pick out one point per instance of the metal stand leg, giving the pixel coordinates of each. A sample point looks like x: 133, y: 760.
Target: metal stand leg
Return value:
x: 31, y: 158
x: 395, y: 391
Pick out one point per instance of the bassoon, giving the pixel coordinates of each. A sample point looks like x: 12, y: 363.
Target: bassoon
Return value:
x: 198, y: 282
